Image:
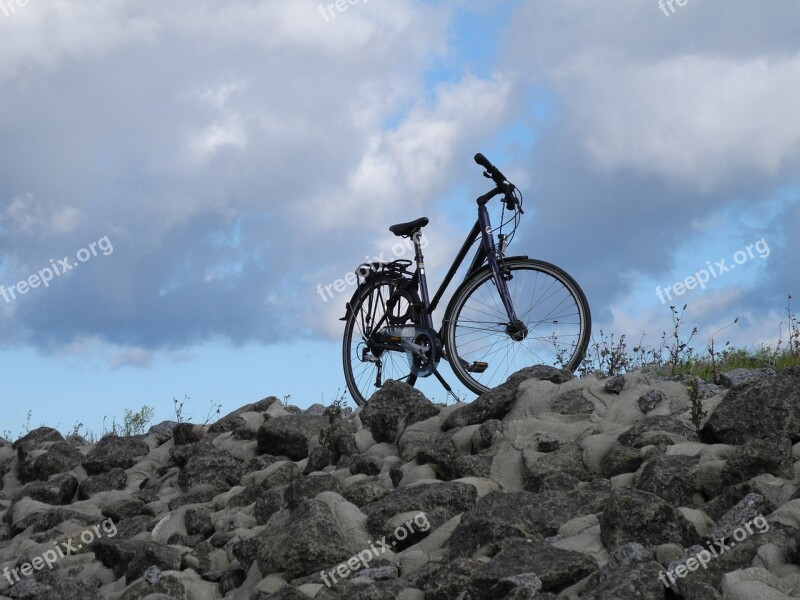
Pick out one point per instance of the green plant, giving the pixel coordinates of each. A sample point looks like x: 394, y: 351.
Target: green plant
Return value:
x: 134, y: 423
x: 696, y: 400
x: 328, y: 436
x: 680, y: 351
x: 214, y: 411
x: 178, y: 406
x: 714, y: 354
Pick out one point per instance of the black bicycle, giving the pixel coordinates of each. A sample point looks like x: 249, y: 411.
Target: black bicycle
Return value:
x: 508, y: 313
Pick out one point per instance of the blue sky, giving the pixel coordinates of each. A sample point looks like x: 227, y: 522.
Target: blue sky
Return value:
x: 238, y: 155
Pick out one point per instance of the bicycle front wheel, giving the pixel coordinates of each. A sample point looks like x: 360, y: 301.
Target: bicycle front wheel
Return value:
x: 484, y: 349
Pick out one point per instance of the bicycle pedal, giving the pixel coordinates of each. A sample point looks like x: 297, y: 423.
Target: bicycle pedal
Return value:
x: 477, y: 367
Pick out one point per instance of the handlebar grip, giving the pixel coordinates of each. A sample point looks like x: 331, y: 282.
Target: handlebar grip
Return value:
x: 484, y: 162
x: 493, y: 171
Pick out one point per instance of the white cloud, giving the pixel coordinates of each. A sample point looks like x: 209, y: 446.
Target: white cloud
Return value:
x: 409, y: 165
x: 697, y: 120
x: 30, y: 216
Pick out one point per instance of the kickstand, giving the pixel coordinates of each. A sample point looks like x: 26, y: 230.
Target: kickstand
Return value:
x: 445, y: 385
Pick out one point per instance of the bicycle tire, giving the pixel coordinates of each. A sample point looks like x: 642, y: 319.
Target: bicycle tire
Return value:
x: 365, y: 309
x: 469, y: 341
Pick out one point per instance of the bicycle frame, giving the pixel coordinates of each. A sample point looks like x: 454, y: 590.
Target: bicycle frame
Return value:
x: 486, y: 251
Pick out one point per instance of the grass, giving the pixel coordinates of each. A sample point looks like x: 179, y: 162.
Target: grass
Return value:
x: 678, y: 355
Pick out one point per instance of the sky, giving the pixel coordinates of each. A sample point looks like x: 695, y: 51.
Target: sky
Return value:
x: 189, y: 176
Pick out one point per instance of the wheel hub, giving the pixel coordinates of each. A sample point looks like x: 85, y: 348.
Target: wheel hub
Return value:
x: 517, y: 331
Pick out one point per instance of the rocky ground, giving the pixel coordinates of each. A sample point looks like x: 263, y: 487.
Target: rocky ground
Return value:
x: 545, y: 487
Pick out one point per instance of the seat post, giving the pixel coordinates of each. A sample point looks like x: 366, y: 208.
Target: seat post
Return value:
x: 423, y: 280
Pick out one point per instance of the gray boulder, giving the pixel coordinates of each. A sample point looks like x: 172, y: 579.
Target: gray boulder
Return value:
x: 636, y: 516
x: 757, y: 410
x: 309, y: 541
x: 393, y: 408
x: 289, y: 435
x: 670, y: 477
x: 114, y: 452
x: 497, y: 402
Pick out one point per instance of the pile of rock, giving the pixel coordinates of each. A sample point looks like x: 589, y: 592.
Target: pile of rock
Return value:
x: 545, y: 487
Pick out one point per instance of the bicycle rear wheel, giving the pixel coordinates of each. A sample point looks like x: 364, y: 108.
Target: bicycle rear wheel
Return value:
x: 367, y: 368
x: 547, y: 301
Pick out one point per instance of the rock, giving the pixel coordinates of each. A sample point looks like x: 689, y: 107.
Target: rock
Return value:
x: 636, y: 516
x: 472, y: 465
x: 310, y: 541
x: 496, y: 516
x: 757, y: 410
x: 489, y: 434
x: 757, y: 456
x: 555, y: 568
x: 747, y: 509
x: 186, y: 433
x: 623, y: 558
x: 441, y: 455
x: 366, y: 465
x: 60, y: 457
x: 650, y: 400
x: 216, y: 468
x: 735, y: 377
x: 730, y: 496
x: 319, y: 458
x: 126, y: 508
x: 114, y: 452
x: 620, y: 459
x: 497, y: 402
x: 234, y: 422
x: 445, y: 581
x: 365, y: 491
x: 132, y: 557
x: 615, y: 384
x: 268, y: 504
x: 198, y: 521
x: 38, y: 436
x: 657, y: 430
x: 670, y: 477
x: 499, y: 515
x: 639, y: 581
x: 162, y: 431
x: 309, y: 487
x: 547, y: 442
x: 568, y: 459
x: 438, y: 501
x: 289, y: 435
x: 58, y: 490
x: 572, y: 403
x: 115, y: 479
x: 393, y: 408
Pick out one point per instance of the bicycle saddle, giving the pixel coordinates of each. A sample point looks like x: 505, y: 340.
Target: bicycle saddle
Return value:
x: 410, y: 227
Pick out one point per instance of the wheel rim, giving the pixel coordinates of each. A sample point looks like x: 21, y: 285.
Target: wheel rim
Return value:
x: 546, y: 303
x: 368, y: 311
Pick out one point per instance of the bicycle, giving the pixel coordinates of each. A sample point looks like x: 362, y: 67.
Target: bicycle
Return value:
x: 488, y: 332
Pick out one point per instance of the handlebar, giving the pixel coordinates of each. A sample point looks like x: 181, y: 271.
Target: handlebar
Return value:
x: 493, y: 171
x: 503, y: 185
